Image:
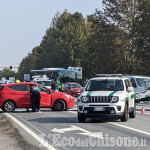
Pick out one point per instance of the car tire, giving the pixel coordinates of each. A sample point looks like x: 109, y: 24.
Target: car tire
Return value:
x: 81, y: 118
x: 9, y: 106
x: 59, y: 105
x: 124, y: 118
x: 132, y: 114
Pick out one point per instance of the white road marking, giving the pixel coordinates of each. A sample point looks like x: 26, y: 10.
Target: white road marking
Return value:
x: 85, y: 132
x: 42, y: 141
x: 133, y: 129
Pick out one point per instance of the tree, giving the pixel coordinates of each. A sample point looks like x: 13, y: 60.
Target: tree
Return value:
x: 107, y: 46
x: 28, y: 63
x: 122, y: 13
x: 141, y: 28
x: 6, y: 73
x: 64, y: 43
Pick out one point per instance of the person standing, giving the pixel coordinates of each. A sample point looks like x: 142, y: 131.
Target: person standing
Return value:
x: 60, y: 87
x: 17, y: 80
x: 35, y: 97
x: 53, y: 85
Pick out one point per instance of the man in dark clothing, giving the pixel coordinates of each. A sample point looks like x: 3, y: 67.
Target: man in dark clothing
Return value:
x: 35, y: 97
x: 53, y: 85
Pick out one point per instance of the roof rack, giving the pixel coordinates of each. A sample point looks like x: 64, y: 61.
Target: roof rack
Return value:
x: 108, y: 75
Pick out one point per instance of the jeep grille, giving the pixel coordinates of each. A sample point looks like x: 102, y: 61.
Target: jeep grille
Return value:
x: 100, y: 99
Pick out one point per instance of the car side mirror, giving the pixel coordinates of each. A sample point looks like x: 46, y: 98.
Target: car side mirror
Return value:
x: 130, y: 89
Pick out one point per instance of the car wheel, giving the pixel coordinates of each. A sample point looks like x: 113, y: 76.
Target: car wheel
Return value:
x: 59, y: 105
x: 81, y: 118
x: 125, y: 114
x: 133, y: 113
x: 9, y: 106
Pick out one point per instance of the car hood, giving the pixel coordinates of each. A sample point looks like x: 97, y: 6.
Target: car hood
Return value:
x: 76, y: 89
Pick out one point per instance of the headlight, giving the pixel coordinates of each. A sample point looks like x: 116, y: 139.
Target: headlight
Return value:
x: 68, y: 96
x: 85, y: 99
x: 115, y: 99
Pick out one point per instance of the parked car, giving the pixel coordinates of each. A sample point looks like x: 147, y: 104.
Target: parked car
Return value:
x: 17, y: 95
x: 46, y: 83
x: 72, y: 89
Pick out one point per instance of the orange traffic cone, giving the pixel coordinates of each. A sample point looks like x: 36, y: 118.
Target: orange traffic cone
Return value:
x: 143, y: 110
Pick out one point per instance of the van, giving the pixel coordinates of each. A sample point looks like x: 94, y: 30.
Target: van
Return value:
x: 141, y: 87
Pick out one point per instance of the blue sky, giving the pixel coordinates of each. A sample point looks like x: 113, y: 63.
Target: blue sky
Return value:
x: 23, y: 24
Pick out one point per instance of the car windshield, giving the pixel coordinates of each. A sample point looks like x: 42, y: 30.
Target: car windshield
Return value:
x: 105, y: 85
x: 75, y: 85
x: 44, y: 83
x: 140, y: 81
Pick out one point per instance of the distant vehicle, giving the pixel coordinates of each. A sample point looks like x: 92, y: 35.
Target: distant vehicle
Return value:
x: 72, y: 89
x: 141, y: 86
x: 58, y: 74
x: 46, y: 83
x: 17, y: 95
x: 43, y: 80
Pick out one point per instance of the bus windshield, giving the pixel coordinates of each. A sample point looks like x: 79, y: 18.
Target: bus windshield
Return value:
x: 66, y: 76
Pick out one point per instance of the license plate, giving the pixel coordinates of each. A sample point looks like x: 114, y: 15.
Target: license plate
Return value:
x: 99, y: 109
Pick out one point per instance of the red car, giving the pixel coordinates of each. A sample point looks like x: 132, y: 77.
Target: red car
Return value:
x: 17, y: 95
x: 72, y: 89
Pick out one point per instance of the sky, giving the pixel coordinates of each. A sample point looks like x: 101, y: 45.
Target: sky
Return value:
x: 23, y: 23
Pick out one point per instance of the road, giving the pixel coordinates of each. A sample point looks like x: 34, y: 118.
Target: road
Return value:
x: 61, y: 130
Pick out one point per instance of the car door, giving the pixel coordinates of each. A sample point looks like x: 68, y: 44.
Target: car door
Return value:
x: 46, y: 98
x: 21, y: 95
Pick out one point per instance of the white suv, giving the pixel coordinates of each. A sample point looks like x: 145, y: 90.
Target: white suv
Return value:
x: 107, y: 95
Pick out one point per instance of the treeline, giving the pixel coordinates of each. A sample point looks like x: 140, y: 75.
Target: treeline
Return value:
x: 114, y: 40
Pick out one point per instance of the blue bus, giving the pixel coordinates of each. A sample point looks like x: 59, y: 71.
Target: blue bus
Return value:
x: 58, y: 74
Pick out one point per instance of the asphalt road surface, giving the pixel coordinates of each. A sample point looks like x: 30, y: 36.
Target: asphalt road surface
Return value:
x: 61, y: 130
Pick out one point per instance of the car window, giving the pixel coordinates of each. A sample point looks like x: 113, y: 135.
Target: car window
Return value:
x: 44, y: 83
x: 42, y: 89
x: 21, y: 87
x: 128, y: 84
x: 133, y: 82
x: 75, y: 85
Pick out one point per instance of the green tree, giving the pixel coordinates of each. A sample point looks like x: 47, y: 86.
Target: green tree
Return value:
x: 28, y: 63
x: 141, y: 28
x: 6, y: 73
x: 107, y: 47
x: 122, y: 13
x: 65, y: 41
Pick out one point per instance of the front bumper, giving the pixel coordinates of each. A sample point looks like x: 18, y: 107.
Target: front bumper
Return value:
x: 89, y: 112
x: 75, y: 94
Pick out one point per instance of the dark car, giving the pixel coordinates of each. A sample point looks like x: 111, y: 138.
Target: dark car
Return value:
x: 72, y: 89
